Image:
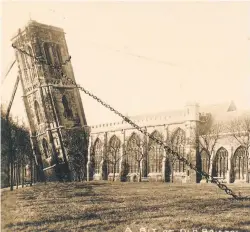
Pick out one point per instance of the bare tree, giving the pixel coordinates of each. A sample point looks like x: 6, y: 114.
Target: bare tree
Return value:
x: 239, y: 129
x: 113, y: 155
x: 176, y: 141
x: 76, y: 144
x: 16, y: 150
x: 135, y: 152
x: 209, y: 132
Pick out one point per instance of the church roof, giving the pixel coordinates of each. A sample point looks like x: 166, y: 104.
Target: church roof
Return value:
x: 169, y: 114
x: 222, y: 112
x: 217, y: 110
x: 221, y: 108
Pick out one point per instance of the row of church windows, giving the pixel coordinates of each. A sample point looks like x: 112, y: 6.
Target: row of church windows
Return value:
x: 220, y: 164
x: 134, y: 153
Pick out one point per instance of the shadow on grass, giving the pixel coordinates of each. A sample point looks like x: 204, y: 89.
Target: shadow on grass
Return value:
x: 246, y: 223
x: 92, y: 184
x: 110, y: 214
x: 54, y: 219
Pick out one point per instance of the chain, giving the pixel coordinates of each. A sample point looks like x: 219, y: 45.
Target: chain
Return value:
x: 167, y: 148
x: 143, y: 131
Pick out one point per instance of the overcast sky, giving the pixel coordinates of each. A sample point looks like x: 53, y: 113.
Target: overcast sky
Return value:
x: 144, y: 57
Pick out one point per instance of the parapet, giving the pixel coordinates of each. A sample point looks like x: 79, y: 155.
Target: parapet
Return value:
x: 149, y: 120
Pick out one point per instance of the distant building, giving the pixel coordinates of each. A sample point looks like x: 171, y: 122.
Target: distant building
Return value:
x: 179, y: 130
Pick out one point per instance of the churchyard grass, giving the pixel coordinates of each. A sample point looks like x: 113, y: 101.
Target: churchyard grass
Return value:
x: 115, y: 206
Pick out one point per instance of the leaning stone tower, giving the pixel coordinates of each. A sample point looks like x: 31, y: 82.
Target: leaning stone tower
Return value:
x: 53, y: 104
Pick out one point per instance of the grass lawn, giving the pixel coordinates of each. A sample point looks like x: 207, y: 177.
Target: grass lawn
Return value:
x: 105, y: 206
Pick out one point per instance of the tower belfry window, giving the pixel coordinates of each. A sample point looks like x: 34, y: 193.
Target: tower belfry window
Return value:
x: 51, y: 53
x: 47, y: 53
x: 37, y: 112
x: 67, y: 111
x: 59, y: 54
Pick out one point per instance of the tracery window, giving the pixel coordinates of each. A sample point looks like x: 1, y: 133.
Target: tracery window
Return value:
x: 53, y: 53
x: 179, y: 166
x: 178, y: 142
x: 220, y: 163
x: 48, y: 54
x: 204, y: 161
x: 133, y: 153
x: 98, y: 155
x: 59, y: 54
x: 155, y: 154
x: 240, y: 163
x: 67, y: 111
x: 114, y: 156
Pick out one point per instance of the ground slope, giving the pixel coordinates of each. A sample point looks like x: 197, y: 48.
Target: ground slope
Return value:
x: 105, y: 206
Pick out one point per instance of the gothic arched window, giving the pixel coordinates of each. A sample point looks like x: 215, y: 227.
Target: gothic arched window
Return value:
x: 37, y: 112
x: 59, y: 54
x: 67, y: 111
x: 178, y: 142
x: 30, y: 60
x: 48, y: 53
x: 240, y: 163
x: 97, y: 155
x: 133, y: 153
x: 204, y: 161
x: 220, y: 163
x: 155, y: 154
x: 45, y: 148
x: 114, y: 155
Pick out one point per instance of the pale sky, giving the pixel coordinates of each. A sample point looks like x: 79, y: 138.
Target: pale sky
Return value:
x: 143, y: 57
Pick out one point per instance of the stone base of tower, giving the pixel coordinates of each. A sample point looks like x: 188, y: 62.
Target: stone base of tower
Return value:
x: 56, y: 173
x: 50, y: 174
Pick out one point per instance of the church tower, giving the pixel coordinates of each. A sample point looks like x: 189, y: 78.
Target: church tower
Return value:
x: 52, y: 101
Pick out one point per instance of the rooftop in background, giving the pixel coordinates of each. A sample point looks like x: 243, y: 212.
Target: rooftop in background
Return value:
x: 219, y: 108
x: 221, y: 112
x: 214, y: 109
